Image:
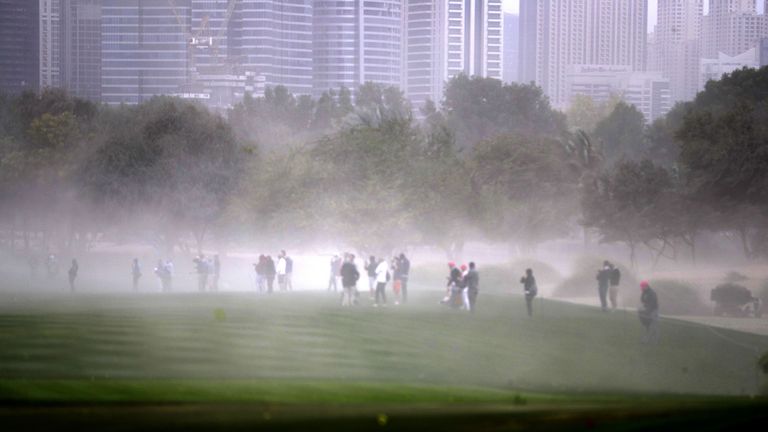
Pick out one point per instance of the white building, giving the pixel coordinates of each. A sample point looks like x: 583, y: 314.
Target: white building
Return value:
x: 715, y: 68
x: 732, y: 27
x: 676, y: 46
x: 579, y: 32
x: 649, y: 92
x: 445, y: 38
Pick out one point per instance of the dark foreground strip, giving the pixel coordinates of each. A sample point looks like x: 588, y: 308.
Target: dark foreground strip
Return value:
x: 421, y: 418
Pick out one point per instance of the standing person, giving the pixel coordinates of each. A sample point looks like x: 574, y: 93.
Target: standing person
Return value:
x: 271, y: 271
x: 649, y: 314
x: 603, y: 280
x: 472, y: 281
x: 335, y: 273
x: 382, y: 277
x: 201, y: 268
x: 349, y: 277
x: 216, y: 273
x: 405, y: 270
x: 452, y: 287
x: 396, y: 279
x: 261, y: 270
x: 370, y: 268
x: 463, y: 291
x: 613, y: 290
x: 288, y: 272
x: 135, y: 274
x: 73, y: 269
x: 530, y: 289
x: 281, y: 268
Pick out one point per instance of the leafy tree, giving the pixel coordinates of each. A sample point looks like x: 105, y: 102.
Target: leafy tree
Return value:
x: 584, y: 113
x: 483, y: 108
x: 166, y: 158
x: 621, y: 134
x: 529, y: 188
x: 724, y: 153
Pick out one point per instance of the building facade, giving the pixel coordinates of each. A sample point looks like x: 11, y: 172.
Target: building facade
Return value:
x: 677, y: 45
x: 274, y: 38
x: 712, y: 69
x: 447, y: 38
x: 19, y: 50
x: 649, y: 92
x: 143, y: 49
x: 356, y: 42
x: 577, y: 32
x: 511, y: 47
x: 732, y: 27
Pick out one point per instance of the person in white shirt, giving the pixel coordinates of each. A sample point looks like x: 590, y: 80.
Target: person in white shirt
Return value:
x: 281, y: 271
x: 382, y: 277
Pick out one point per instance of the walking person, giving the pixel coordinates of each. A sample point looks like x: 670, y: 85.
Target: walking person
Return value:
x: 464, y: 292
x: 603, y: 280
x: 613, y: 289
x: 73, y: 269
x: 404, y: 265
x: 216, y: 273
x: 382, y: 277
x: 530, y: 289
x: 349, y: 277
x: 396, y: 279
x: 472, y: 282
x: 370, y: 268
x: 649, y: 314
x: 135, y: 274
x: 335, y: 273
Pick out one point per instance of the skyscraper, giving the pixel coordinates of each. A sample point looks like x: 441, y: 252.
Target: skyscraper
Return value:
x: 144, y: 49
x: 447, y: 38
x: 527, y: 41
x: 677, y: 45
x: 355, y: 42
x: 594, y: 32
x: 732, y: 27
x: 19, y: 46
x: 274, y: 38
x: 80, y: 48
x: 50, y: 44
x: 511, y: 47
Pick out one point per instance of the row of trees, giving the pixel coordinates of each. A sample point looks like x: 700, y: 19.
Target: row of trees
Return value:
x: 494, y: 162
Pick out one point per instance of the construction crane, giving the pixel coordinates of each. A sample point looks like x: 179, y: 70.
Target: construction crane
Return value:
x: 202, y: 38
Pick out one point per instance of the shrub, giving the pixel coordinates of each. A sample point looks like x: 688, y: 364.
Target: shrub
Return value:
x: 678, y: 298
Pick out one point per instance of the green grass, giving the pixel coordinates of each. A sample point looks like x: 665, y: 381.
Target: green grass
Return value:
x: 299, y: 361
x: 307, y: 336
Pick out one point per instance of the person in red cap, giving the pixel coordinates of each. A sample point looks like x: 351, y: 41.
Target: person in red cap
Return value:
x: 649, y: 314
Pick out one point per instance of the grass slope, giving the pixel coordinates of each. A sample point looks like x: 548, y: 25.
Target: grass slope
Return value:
x: 304, y: 347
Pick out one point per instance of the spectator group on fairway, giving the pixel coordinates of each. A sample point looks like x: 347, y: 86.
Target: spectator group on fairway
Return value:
x: 461, y: 290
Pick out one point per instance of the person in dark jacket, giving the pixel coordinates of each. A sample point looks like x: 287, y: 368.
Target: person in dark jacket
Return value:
x: 530, y: 290
x: 472, y: 282
x: 454, y: 286
x: 349, y: 277
x: 404, y: 267
x: 649, y: 314
x: 603, y: 280
x: 271, y: 272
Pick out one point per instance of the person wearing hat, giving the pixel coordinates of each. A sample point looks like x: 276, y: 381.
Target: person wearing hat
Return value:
x: 649, y: 314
